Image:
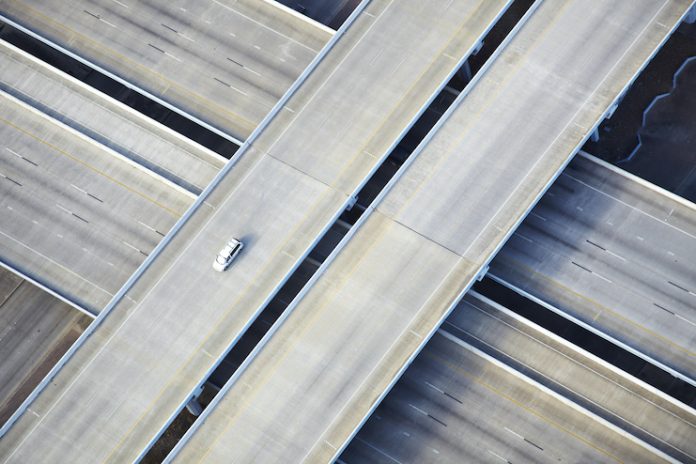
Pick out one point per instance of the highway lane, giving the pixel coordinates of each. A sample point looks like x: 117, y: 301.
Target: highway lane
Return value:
x: 225, y: 63
x: 141, y: 364
x: 612, y: 252
x: 107, y: 121
x: 75, y: 217
x: 35, y: 329
x: 321, y: 370
x: 588, y: 381
x: 455, y: 404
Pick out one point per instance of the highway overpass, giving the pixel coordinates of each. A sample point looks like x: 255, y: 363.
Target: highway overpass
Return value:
x: 490, y: 385
x: 323, y: 368
x: 139, y: 364
x: 617, y: 255
x: 113, y: 124
x: 77, y: 217
x: 164, y: 50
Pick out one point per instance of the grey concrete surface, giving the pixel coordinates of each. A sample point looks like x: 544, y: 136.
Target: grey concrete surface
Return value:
x: 590, y: 382
x: 615, y: 254
x: 35, y: 329
x: 138, y: 368
x: 107, y: 121
x: 75, y: 216
x: 454, y: 405
x: 323, y: 368
x: 225, y: 62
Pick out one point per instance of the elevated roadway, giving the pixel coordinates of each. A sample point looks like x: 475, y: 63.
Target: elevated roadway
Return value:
x: 321, y: 370
x: 76, y: 216
x: 592, y: 383
x: 221, y: 63
x: 617, y: 255
x: 107, y: 121
x: 139, y: 364
x: 456, y: 404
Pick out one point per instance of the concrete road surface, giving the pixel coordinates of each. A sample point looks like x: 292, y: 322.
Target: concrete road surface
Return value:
x: 616, y: 254
x: 455, y: 404
x: 75, y: 216
x: 327, y: 365
x: 147, y: 356
x: 35, y: 329
x: 107, y: 121
x: 639, y: 409
x: 224, y: 62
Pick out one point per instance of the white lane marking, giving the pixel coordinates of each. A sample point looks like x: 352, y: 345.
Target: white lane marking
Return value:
x: 173, y: 57
x: 434, y: 387
x: 418, y: 409
x: 498, y: 456
x: 537, y: 216
x: 78, y: 189
x: 514, y: 433
x: 64, y: 208
x: 252, y: 71
x: 382, y: 452
x: 187, y: 37
x: 120, y: 3
x: 617, y: 256
x: 685, y: 319
x: 523, y: 237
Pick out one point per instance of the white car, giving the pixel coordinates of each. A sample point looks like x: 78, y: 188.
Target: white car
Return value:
x: 227, y: 255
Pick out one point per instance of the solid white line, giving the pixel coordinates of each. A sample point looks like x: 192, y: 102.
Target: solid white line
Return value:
x: 558, y: 397
x: 618, y: 200
x: 595, y: 331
